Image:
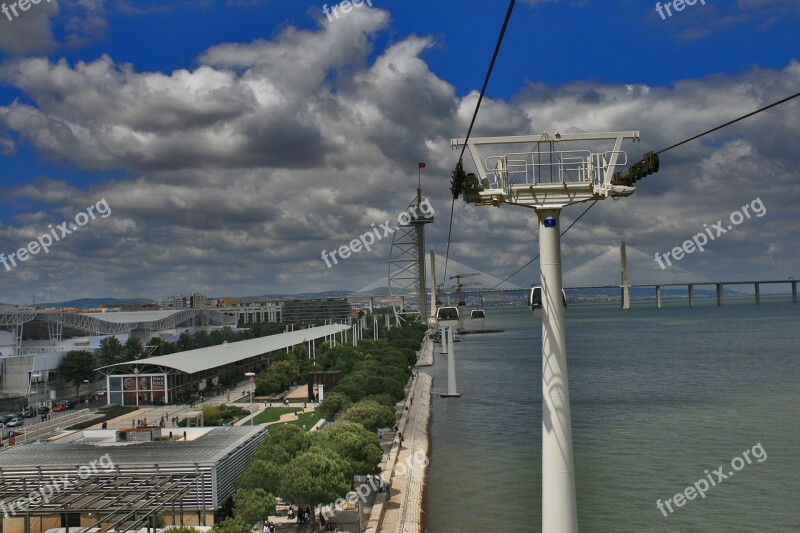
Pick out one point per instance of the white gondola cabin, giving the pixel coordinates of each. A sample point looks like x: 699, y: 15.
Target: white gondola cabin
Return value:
x: 535, y: 301
x: 477, y: 314
x: 447, y: 317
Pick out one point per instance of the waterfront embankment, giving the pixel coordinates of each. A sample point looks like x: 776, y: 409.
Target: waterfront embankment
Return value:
x: 404, y: 466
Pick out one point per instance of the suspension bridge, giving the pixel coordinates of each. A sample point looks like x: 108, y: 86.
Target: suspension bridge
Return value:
x: 609, y: 270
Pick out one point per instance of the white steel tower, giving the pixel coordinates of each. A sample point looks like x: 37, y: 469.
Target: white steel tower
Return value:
x: 547, y: 178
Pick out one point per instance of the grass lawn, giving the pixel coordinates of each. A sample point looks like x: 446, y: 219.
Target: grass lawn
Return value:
x: 309, y: 419
x: 272, y: 414
x: 108, y: 413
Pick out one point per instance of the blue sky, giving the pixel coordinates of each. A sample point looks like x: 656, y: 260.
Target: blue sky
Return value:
x: 234, y: 141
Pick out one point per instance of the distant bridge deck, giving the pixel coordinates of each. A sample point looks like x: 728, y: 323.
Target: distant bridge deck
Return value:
x: 690, y: 286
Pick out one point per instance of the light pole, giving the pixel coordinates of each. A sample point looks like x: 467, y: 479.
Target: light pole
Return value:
x: 37, y: 376
x: 46, y: 375
x: 252, y: 377
x: 86, y: 392
x: 548, y: 178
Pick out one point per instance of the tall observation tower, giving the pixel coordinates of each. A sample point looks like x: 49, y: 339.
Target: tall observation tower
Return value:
x: 407, y: 264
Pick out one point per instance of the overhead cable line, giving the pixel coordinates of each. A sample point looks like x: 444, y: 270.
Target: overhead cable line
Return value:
x: 472, y: 123
x: 734, y: 121
x: 729, y: 123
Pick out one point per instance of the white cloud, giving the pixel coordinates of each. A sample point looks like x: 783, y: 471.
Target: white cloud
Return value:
x: 234, y: 176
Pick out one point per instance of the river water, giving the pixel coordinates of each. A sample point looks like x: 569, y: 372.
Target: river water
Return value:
x: 659, y: 396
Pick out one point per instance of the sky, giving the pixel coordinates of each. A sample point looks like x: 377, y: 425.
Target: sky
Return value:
x: 222, y: 146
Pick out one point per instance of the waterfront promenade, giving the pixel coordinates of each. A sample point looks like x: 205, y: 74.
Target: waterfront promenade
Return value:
x: 404, y: 466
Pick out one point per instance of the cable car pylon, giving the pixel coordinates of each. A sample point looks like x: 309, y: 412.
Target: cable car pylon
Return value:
x: 447, y: 317
x: 547, y: 178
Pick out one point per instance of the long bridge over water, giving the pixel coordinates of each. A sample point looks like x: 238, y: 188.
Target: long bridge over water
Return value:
x: 628, y: 268
x: 620, y: 268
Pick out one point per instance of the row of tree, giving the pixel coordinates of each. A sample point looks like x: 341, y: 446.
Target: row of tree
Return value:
x: 375, y: 374
x: 303, y: 466
x: 317, y: 468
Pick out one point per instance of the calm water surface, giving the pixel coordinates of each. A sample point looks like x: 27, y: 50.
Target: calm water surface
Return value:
x: 658, y: 397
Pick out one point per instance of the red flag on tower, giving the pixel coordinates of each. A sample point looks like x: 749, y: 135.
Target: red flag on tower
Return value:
x: 422, y: 165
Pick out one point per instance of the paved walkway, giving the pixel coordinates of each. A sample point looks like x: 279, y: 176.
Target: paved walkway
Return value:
x: 425, y: 355
x: 405, y: 465
x: 153, y: 414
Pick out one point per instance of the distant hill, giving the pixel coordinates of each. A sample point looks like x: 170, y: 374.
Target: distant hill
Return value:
x: 91, y: 303
x: 302, y: 295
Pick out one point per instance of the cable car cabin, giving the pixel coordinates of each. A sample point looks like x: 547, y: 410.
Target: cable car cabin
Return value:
x: 535, y: 301
x: 477, y: 314
x: 447, y: 317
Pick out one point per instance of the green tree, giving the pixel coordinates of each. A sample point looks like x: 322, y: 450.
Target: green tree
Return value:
x: 110, y: 351
x: 233, y: 524
x: 369, y: 414
x: 359, y: 447
x: 229, y: 335
x: 316, y: 476
x: 300, y: 352
x: 384, y: 399
x: 268, y: 383
x: 201, y: 339
x: 77, y: 366
x: 157, y: 344
x: 265, y: 475
x: 229, y: 412
x: 333, y: 404
x: 278, y: 377
x: 253, y: 505
x: 133, y: 348
x: 216, y: 338
x: 350, y: 388
x: 343, y: 357
x: 211, y: 415
x: 282, y: 444
x: 185, y: 341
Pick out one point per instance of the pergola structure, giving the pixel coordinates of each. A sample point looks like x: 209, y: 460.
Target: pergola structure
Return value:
x: 108, y: 502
